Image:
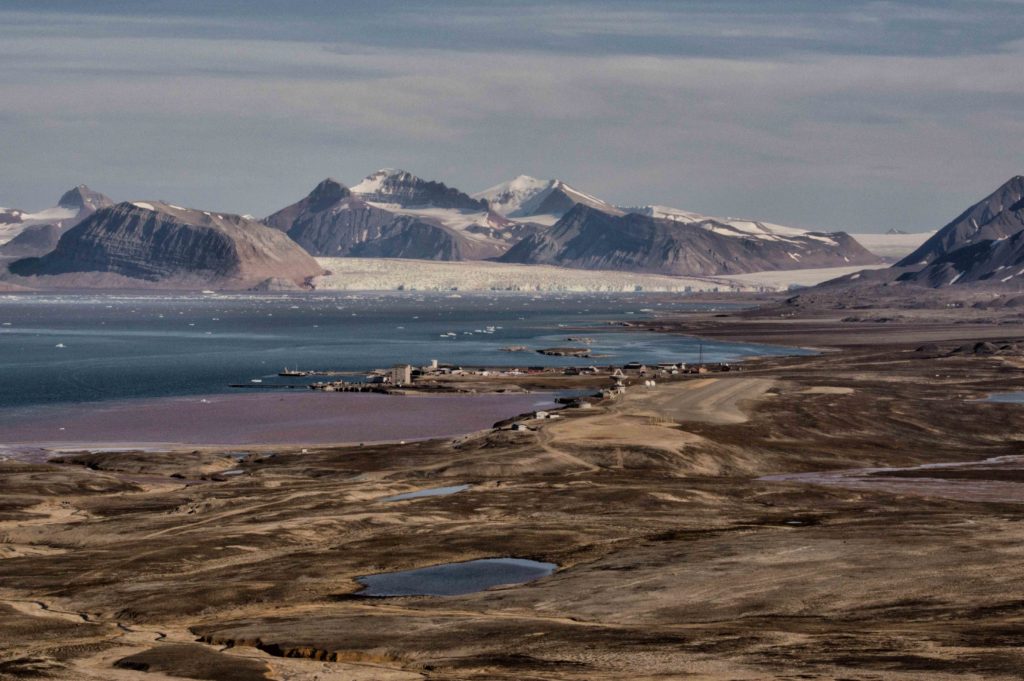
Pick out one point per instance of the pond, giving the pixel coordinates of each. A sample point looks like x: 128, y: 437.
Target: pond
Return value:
x: 454, y: 579
x: 1017, y: 397
x: 431, y: 492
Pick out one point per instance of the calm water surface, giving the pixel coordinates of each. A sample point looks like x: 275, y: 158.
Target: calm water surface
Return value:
x: 57, y: 349
x: 432, y: 492
x: 454, y: 579
x: 1014, y: 397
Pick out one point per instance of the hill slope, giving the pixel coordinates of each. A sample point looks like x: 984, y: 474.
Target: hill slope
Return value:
x: 589, y: 238
x: 145, y: 243
x: 983, y: 247
x: 998, y: 215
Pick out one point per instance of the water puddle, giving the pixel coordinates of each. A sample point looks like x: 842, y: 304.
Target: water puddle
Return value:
x: 432, y: 492
x: 997, y: 479
x: 454, y: 579
x: 1013, y: 397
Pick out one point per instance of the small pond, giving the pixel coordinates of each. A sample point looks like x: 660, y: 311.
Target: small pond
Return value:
x: 431, y: 492
x: 1006, y: 397
x: 453, y: 579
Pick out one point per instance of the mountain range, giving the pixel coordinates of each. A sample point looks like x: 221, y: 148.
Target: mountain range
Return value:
x: 394, y: 214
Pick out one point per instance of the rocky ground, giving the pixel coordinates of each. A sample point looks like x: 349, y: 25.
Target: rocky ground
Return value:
x: 676, y: 558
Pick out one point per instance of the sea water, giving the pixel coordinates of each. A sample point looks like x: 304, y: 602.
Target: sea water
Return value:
x: 58, y: 349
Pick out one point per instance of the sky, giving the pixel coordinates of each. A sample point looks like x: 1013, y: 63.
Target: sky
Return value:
x: 853, y: 115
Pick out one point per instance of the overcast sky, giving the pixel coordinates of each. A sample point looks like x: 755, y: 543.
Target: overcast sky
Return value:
x: 835, y: 115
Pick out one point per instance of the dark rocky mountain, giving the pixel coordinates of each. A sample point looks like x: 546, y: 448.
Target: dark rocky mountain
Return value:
x: 593, y: 239
x: 993, y: 261
x: 998, y: 215
x: 153, y: 243
x: 325, y: 196
x: 398, y: 187
x: 334, y: 221
x: 84, y: 200
x: 982, y: 247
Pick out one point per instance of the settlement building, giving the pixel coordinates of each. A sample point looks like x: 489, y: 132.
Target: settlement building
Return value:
x: 401, y: 374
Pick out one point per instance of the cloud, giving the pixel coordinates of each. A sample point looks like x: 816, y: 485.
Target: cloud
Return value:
x: 780, y: 119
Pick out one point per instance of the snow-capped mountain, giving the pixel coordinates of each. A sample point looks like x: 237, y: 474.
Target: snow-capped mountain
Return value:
x: 394, y: 214
x: 757, y: 244
x: 542, y: 202
x: 74, y: 206
x: 400, y: 189
x: 547, y: 201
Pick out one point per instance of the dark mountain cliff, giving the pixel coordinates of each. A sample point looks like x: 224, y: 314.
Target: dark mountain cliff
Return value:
x: 998, y: 215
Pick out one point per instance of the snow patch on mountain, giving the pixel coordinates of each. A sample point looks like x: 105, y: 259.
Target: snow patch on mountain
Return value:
x: 374, y: 183
x: 737, y: 227
x: 544, y: 202
x: 518, y: 197
x: 74, y: 205
x: 16, y: 221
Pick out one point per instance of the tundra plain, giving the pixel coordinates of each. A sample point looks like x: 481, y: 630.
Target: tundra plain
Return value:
x: 679, y: 554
